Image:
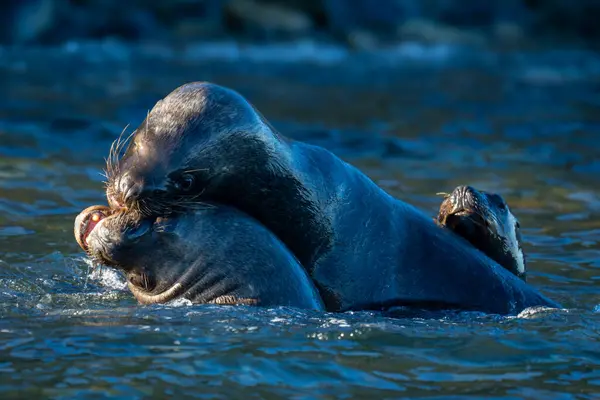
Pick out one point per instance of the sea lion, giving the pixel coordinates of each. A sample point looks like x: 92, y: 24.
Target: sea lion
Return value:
x: 487, y: 222
x: 211, y: 255
x: 363, y: 248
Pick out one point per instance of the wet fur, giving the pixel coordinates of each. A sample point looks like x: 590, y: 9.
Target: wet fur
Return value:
x: 363, y: 248
x: 487, y: 222
x: 216, y: 255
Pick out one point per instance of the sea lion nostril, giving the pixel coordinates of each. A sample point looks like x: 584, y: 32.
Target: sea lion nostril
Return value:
x: 459, y: 191
x: 129, y: 188
x: 132, y: 193
x: 464, y: 197
x: 460, y: 197
x: 125, y: 182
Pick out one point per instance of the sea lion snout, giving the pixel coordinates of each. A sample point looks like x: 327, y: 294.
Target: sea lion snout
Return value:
x: 112, y: 240
x: 133, y: 187
x: 130, y: 188
x: 463, y: 198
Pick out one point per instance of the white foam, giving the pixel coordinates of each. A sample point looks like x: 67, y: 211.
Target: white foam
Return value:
x: 537, y: 311
x: 179, y: 302
x: 107, y: 277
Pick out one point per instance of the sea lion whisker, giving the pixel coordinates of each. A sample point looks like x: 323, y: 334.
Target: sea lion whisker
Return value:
x: 108, y: 169
x: 187, y: 202
x: 147, y: 120
x: 198, y: 206
x: 121, y: 141
x: 117, y: 149
x: 195, y: 202
x: 115, y: 146
x: 140, y: 205
x: 138, y: 208
x: 111, y: 164
x: 109, y: 160
x: 124, y: 143
x: 193, y: 197
x: 152, y: 208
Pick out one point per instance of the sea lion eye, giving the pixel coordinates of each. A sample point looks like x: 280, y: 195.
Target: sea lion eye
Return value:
x: 185, y: 182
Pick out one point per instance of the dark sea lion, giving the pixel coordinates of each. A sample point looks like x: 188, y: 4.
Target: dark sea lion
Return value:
x: 363, y: 248
x: 214, y: 255
x: 487, y: 222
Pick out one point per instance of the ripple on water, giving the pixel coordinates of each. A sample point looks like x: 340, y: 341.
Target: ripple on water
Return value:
x: 428, y: 119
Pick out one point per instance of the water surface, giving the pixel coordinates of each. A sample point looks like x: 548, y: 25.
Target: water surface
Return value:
x: 416, y: 120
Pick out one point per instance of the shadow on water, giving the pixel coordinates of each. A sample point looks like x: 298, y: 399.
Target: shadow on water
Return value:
x: 416, y: 120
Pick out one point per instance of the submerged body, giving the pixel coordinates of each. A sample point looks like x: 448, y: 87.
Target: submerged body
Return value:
x: 363, y: 248
x: 215, y: 255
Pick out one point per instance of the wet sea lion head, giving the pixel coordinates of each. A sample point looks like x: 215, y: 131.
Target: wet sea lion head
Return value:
x: 122, y: 241
x: 198, y: 136
x: 211, y: 255
x: 485, y: 220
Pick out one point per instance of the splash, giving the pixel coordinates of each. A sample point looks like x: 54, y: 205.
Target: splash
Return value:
x: 106, y: 277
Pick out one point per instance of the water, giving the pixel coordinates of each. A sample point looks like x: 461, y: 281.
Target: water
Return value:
x: 417, y: 120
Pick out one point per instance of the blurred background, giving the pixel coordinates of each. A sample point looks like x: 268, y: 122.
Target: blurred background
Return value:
x: 361, y: 23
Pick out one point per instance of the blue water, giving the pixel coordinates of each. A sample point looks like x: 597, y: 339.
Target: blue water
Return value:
x: 417, y: 120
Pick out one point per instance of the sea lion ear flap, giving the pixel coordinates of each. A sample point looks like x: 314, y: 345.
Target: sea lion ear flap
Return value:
x: 443, y: 211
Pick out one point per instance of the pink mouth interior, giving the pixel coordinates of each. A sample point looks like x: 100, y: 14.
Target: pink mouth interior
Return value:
x: 89, y: 224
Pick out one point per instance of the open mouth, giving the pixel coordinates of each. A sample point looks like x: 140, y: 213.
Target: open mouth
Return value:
x: 87, y: 221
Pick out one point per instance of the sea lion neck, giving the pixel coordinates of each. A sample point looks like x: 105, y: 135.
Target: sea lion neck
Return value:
x: 288, y: 208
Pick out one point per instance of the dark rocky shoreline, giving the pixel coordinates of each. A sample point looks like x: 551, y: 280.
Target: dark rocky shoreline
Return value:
x: 358, y: 23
